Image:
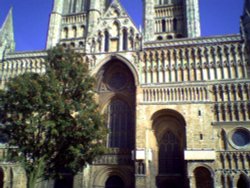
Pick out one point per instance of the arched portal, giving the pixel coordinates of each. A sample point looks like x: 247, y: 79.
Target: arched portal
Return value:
x: 116, y: 89
x: 243, y: 182
x: 169, y: 130
x: 114, y: 182
x: 1, y: 178
x: 203, y: 178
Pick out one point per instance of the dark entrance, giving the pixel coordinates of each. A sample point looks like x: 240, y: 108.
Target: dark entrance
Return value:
x: 242, y: 182
x: 114, y: 182
x: 65, y: 182
x: 203, y: 178
x: 1, y: 177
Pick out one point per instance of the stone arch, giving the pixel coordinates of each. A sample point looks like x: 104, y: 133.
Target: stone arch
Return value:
x: 203, y: 177
x: 123, y: 60
x: 169, y: 138
x: 116, y: 96
x: 102, y: 175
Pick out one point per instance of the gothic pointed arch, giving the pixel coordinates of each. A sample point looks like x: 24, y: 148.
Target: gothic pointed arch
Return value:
x: 170, y: 135
x: 116, y: 89
x: 124, y: 61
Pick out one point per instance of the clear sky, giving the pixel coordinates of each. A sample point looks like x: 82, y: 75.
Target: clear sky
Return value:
x: 31, y: 18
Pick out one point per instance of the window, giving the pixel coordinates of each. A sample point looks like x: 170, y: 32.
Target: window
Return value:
x: 119, y: 124
x: 175, y: 24
x: 170, y: 154
x: 241, y: 137
x: 106, y: 41
x: 125, y: 39
x: 163, y: 22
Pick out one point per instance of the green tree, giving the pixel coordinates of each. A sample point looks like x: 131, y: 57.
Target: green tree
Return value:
x: 52, y: 118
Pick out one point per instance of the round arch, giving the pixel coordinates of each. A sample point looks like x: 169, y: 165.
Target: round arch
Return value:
x: 203, y: 177
x: 169, y: 138
x: 123, y: 60
x: 197, y: 165
x: 102, y: 176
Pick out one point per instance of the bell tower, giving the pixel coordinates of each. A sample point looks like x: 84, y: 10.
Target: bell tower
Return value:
x: 170, y: 19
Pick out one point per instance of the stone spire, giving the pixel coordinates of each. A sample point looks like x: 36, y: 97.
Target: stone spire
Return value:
x: 55, y: 24
x: 7, y: 41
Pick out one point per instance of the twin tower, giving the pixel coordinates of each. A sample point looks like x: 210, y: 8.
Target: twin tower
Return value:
x: 163, y: 19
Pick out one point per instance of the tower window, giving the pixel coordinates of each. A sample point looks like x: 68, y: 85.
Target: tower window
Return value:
x: 66, y: 32
x: 106, y: 41
x: 125, y: 39
x: 163, y: 23
x: 175, y: 26
x: 74, y: 32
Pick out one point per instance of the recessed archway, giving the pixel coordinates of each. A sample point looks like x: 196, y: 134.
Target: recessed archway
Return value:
x: 169, y: 132
x: 114, y: 182
x: 243, y: 182
x: 203, y: 178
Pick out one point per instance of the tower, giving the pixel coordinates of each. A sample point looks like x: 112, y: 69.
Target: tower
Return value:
x: 169, y: 19
x: 72, y: 20
x: 7, y: 42
x: 55, y: 24
x: 245, y: 31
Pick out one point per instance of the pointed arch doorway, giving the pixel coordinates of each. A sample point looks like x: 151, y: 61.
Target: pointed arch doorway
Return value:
x: 170, y: 135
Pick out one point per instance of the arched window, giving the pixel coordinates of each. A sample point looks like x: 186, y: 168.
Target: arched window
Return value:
x: 125, y: 39
x: 163, y: 23
x: 119, y: 124
x: 74, y: 31
x: 203, y: 178
x: 175, y: 24
x: 170, y: 154
x: 66, y: 33
x: 106, y: 35
x: 83, y: 30
x: 114, y: 182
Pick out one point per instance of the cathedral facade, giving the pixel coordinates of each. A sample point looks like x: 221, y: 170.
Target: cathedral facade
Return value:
x: 178, y: 104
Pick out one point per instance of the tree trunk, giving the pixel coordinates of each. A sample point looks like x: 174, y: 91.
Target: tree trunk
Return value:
x: 35, y: 175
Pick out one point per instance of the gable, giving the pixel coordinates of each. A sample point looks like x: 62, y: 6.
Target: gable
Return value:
x: 114, y: 24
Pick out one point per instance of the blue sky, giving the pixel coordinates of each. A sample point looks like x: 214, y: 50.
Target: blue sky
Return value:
x: 31, y: 18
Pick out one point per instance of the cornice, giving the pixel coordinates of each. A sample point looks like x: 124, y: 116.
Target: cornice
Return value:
x: 194, y: 41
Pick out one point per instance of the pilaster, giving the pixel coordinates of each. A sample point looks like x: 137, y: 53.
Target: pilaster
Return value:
x: 193, y: 18
x: 148, y: 24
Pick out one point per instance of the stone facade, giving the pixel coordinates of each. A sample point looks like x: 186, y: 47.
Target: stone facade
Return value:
x: 178, y: 104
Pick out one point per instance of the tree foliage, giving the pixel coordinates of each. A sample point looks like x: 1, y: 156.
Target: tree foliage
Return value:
x: 52, y: 118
